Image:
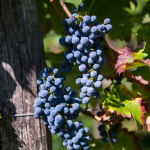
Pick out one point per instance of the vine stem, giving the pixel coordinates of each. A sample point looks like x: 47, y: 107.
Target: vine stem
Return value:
x: 110, y: 143
x: 56, y: 8
x: 91, y: 5
x: 65, y: 8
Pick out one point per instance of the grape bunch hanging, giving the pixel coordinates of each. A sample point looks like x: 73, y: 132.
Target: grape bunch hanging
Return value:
x: 57, y: 105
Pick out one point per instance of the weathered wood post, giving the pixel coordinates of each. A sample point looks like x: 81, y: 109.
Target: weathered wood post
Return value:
x: 22, y: 58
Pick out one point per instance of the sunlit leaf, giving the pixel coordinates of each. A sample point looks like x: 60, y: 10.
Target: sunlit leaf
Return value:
x: 74, y: 2
x: 121, y: 102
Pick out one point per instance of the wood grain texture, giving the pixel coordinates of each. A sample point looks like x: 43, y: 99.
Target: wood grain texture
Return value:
x: 22, y: 58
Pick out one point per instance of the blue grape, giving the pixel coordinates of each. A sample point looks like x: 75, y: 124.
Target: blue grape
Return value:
x: 93, y: 19
x: 105, y: 140
x: 82, y: 68
x: 91, y: 61
x: 38, y: 110
x: 70, y: 56
x: 84, y: 40
x: 59, y: 108
x: 40, y: 81
x: 76, y: 146
x: 83, y: 80
x: 94, y: 29
x: 86, y: 130
x: 55, y: 70
x: 107, y: 21
x: 86, y: 29
x: 80, y: 47
x: 67, y: 135
x: 79, y: 135
x: 84, y: 89
x: 89, y: 82
x: 108, y: 27
x: 57, y: 81
x: 93, y: 55
x: 85, y: 100
x: 67, y: 89
x: 92, y: 36
x: 86, y: 147
x: 75, y: 40
x: 53, y: 113
x: 87, y: 50
x: 44, y: 74
x: 69, y: 123
x: 99, y: 77
x: 68, y: 68
x: 82, y: 95
x: 93, y: 74
x: 67, y: 98
x: 70, y: 142
x: 87, y: 19
x: 84, y: 58
x: 96, y: 66
x: 62, y: 41
x: 90, y: 90
x: 75, y: 140
x: 97, y: 84
x: 99, y: 60
x: 68, y: 39
x: 65, y: 142
x: 53, y: 89
x: 38, y: 103
x: 77, y: 54
x: 44, y: 94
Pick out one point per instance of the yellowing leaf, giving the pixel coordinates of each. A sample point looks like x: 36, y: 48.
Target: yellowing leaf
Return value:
x: 121, y: 102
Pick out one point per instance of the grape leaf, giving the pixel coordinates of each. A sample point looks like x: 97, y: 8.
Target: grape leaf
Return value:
x: 121, y: 21
x: 125, y: 141
x: 74, y: 2
x: 144, y: 33
x: 129, y: 59
x: 120, y: 101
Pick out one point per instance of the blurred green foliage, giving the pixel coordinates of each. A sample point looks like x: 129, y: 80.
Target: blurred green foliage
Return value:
x: 131, y: 27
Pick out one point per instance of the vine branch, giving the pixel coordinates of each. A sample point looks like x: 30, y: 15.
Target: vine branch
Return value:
x: 137, y: 80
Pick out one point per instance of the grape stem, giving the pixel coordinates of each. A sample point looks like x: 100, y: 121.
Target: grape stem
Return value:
x: 110, y: 143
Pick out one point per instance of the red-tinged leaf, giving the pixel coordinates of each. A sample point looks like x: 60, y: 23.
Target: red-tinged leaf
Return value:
x: 147, y: 61
x: 129, y: 59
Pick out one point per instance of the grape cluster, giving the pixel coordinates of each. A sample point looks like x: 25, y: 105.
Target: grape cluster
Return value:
x: 118, y: 79
x: 57, y: 106
x: 83, y: 41
x: 113, y: 132
x: 118, y: 82
x: 84, y: 48
x: 89, y: 81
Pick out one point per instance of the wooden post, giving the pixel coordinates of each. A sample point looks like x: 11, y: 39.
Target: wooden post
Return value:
x: 21, y: 59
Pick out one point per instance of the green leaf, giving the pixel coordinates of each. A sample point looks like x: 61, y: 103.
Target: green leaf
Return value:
x: 125, y: 141
x: 120, y: 101
x: 76, y: 3
x: 54, y: 58
x: 119, y: 18
x: 144, y: 33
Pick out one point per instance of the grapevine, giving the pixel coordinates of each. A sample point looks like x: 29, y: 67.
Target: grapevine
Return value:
x: 59, y: 106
